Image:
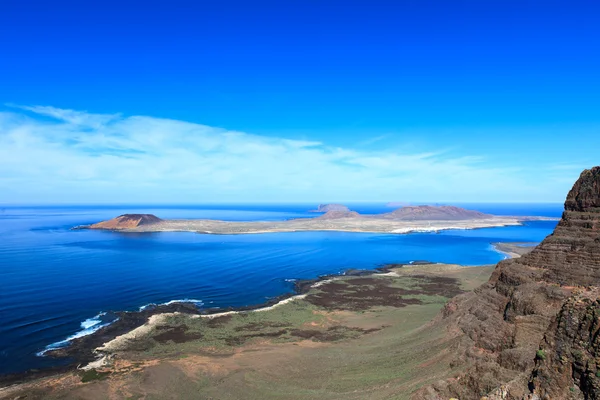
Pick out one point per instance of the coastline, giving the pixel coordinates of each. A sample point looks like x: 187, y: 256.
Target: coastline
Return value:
x: 513, y: 249
x: 92, y: 348
x: 361, y: 224
x: 352, y: 312
x: 89, y: 349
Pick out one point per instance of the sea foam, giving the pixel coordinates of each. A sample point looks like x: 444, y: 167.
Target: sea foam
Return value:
x: 88, y: 327
x: 197, y: 303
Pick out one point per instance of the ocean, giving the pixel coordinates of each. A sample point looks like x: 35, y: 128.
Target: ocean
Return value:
x: 57, y: 283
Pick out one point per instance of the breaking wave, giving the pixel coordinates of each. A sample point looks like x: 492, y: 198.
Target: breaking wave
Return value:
x: 197, y: 303
x: 88, y: 327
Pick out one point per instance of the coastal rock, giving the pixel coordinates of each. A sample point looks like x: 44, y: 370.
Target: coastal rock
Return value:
x: 331, y: 207
x: 127, y: 221
x: 529, y: 332
x: 437, y: 213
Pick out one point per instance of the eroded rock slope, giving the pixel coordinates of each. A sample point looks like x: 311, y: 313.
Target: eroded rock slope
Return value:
x: 532, y: 330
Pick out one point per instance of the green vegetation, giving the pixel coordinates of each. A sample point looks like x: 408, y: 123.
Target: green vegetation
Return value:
x: 221, y: 334
x: 297, y: 320
x: 93, y: 375
x: 540, y: 354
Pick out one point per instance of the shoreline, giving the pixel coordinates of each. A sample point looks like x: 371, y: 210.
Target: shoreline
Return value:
x: 95, y: 346
x: 82, y: 350
x: 359, y: 224
x: 379, y: 306
x: 513, y: 249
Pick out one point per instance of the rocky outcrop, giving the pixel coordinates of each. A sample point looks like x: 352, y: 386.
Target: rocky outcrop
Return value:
x: 434, y: 213
x: 583, y: 197
x: 568, y: 360
x: 523, y: 334
x: 571, y: 255
x: 127, y: 221
x: 331, y: 207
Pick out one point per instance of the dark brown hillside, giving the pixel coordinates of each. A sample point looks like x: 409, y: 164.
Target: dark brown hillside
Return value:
x: 437, y: 213
x: 127, y: 221
x: 497, y: 330
x: 339, y: 214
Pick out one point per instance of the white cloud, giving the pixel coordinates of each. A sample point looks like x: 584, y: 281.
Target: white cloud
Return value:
x: 75, y: 156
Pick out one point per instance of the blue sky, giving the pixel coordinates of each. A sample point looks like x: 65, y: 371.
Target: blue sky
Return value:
x: 235, y: 101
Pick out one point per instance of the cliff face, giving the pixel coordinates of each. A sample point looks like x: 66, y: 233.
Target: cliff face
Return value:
x: 567, y: 363
x: 571, y: 255
x: 497, y: 331
x: 127, y: 221
x: 583, y: 196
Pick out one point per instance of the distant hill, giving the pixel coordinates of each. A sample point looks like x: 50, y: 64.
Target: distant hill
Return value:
x: 127, y: 221
x: 397, y: 204
x: 331, y: 207
x: 434, y: 213
x: 339, y: 214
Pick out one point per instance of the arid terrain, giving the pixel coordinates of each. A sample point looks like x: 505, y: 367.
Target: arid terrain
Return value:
x: 402, y: 220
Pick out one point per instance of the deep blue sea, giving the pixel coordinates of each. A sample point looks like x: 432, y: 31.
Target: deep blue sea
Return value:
x: 57, y: 283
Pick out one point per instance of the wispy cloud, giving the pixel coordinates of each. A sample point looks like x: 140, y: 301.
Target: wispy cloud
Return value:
x: 55, y: 155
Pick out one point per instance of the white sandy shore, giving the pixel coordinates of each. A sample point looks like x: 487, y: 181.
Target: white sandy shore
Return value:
x: 511, y: 254
x: 507, y: 254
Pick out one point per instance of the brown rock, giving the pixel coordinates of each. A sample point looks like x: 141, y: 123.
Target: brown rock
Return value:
x: 437, y: 213
x: 584, y: 196
x: 127, y: 221
x: 527, y: 306
x: 567, y: 361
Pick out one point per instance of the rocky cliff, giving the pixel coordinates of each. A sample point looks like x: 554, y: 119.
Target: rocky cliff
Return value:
x: 531, y: 331
x: 127, y: 221
x: 568, y: 360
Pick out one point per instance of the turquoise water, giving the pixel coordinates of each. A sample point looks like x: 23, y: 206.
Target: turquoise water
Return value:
x: 57, y: 283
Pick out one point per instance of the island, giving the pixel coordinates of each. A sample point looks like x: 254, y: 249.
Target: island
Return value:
x: 331, y: 207
x: 403, y: 220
